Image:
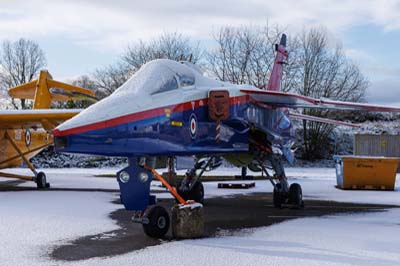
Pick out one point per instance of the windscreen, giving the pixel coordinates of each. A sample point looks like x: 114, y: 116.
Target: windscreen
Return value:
x: 157, y: 77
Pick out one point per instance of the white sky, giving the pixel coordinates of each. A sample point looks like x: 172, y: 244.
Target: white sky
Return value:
x: 80, y: 36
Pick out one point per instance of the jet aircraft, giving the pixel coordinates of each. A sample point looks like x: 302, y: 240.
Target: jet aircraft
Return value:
x: 24, y: 133
x: 169, y: 110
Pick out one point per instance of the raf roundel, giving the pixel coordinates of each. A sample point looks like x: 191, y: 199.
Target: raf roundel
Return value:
x: 27, y: 138
x: 193, y: 125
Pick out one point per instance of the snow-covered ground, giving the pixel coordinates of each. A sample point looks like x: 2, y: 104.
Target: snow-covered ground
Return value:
x: 31, y: 222
x: 371, y: 239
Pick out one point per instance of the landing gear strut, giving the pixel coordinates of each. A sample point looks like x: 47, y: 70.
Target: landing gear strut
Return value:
x: 191, y: 188
x: 191, y: 191
x: 39, y: 177
x: 187, y: 216
x: 283, y: 193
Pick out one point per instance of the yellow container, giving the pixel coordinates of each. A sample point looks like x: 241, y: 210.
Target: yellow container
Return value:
x: 365, y: 172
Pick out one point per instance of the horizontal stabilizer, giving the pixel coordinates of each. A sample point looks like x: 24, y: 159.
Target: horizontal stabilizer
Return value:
x: 61, y: 94
x: 45, y: 90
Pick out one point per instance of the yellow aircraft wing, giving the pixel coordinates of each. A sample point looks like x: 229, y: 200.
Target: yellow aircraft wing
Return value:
x: 39, y: 118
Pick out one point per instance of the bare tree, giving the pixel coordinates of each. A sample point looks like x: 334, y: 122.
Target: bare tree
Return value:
x: 110, y: 78
x: 326, y: 73
x: 172, y: 46
x: 245, y: 55
x: 168, y: 46
x: 20, y: 62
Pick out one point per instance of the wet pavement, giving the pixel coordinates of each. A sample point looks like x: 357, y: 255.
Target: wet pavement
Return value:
x: 223, y: 216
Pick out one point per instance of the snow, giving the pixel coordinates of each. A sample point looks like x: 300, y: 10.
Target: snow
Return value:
x: 192, y: 206
x: 139, y: 93
x: 317, y: 183
x: 39, y: 111
x: 73, y: 178
x: 335, y: 240
x: 380, y: 127
x: 33, y: 221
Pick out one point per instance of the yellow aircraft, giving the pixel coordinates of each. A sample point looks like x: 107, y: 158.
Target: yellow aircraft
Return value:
x: 24, y: 133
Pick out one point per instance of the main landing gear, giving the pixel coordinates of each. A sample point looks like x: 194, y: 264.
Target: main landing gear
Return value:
x: 283, y: 193
x: 187, y: 216
x: 39, y: 177
x: 40, y: 180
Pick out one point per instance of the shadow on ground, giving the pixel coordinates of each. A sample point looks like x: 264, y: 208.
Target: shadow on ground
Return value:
x: 222, y: 215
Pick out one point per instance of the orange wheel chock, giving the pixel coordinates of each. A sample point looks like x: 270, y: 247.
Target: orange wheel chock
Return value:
x: 168, y: 186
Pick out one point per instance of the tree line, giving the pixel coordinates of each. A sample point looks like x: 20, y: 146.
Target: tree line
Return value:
x: 317, y: 67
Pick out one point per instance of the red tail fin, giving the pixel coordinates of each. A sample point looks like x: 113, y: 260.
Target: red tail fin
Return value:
x: 275, y: 79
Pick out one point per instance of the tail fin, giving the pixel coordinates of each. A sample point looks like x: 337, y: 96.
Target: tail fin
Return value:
x: 275, y: 79
x: 44, y: 90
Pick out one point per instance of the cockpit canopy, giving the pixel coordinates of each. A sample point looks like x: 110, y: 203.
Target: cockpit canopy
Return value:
x: 159, y: 76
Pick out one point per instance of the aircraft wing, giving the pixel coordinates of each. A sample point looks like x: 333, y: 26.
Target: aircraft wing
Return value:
x: 291, y: 100
x: 39, y: 118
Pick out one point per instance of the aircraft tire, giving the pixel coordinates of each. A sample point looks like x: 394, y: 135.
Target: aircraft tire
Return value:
x: 296, y: 195
x: 277, y: 198
x: 41, y: 181
x: 244, y: 172
x: 196, y: 194
x: 183, y: 194
x: 159, y: 221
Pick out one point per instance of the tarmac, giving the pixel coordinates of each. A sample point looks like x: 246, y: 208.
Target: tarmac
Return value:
x: 223, y: 216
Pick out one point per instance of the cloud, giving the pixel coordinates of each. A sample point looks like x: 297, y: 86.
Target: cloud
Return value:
x: 108, y: 26
x: 112, y: 24
x: 358, y: 55
x: 384, y: 91
x: 371, y: 66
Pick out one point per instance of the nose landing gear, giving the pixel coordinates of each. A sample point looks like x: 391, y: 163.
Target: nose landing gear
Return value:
x: 187, y: 216
x: 156, y: 221
x: 194, y: 191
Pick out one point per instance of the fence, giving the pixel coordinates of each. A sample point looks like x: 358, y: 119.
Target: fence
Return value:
x: 377, y: 145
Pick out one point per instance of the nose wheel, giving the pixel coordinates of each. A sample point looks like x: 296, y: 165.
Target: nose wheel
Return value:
x: 192, y: 192
x: 187, y: 217
x: 156, y: 221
